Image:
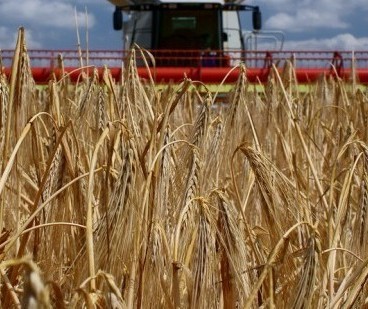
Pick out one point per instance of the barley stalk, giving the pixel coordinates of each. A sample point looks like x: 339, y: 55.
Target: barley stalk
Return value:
x: 127, y: 194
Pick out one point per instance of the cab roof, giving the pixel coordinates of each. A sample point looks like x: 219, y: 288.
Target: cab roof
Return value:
x: 129, y: 2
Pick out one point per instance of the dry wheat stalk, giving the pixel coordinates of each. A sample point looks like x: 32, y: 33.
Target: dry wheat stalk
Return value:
x: 259, y: 202
x: 4, y: 101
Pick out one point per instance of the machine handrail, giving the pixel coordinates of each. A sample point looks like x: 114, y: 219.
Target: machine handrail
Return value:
x: 303, y: 58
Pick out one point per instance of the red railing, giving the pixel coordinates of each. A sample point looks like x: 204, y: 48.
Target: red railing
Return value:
x: 208, y: 66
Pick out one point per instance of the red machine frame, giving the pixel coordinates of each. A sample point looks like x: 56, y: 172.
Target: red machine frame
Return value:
x: 309, y: 65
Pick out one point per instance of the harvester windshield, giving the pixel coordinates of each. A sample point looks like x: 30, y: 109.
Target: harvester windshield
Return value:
x: 189, y: 29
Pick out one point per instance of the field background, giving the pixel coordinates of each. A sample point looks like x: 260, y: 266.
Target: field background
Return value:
x: 118, y: 194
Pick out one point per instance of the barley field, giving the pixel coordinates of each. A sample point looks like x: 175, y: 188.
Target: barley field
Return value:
x: 122, y: 195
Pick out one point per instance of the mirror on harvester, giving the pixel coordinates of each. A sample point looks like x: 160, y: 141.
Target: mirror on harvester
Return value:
x: 117, y: 19
x: 257, y: 20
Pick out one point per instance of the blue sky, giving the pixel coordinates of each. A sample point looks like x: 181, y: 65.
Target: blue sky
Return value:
x: 318, y: 24
x: 307, y: 24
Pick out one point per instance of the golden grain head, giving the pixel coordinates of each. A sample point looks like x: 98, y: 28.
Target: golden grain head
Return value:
x: 124, y: 195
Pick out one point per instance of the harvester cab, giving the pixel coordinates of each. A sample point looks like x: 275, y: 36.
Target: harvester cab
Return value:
x: 182, y: 33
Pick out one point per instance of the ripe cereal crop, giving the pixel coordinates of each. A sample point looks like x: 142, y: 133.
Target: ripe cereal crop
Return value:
x: 124, y: 195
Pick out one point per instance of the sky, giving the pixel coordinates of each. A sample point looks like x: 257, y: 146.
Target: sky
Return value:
x: 306, y: 24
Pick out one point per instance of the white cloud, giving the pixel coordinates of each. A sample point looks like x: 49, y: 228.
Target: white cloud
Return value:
x: 317, y: 4
x: 345, y: 41
x: 298, y: 15
x: 341, y: 42
x: 8, y: 39
x: 304, y: 20
x: 44, y: 13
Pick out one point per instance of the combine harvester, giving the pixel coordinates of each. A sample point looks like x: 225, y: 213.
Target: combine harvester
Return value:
x: 200, y: 39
